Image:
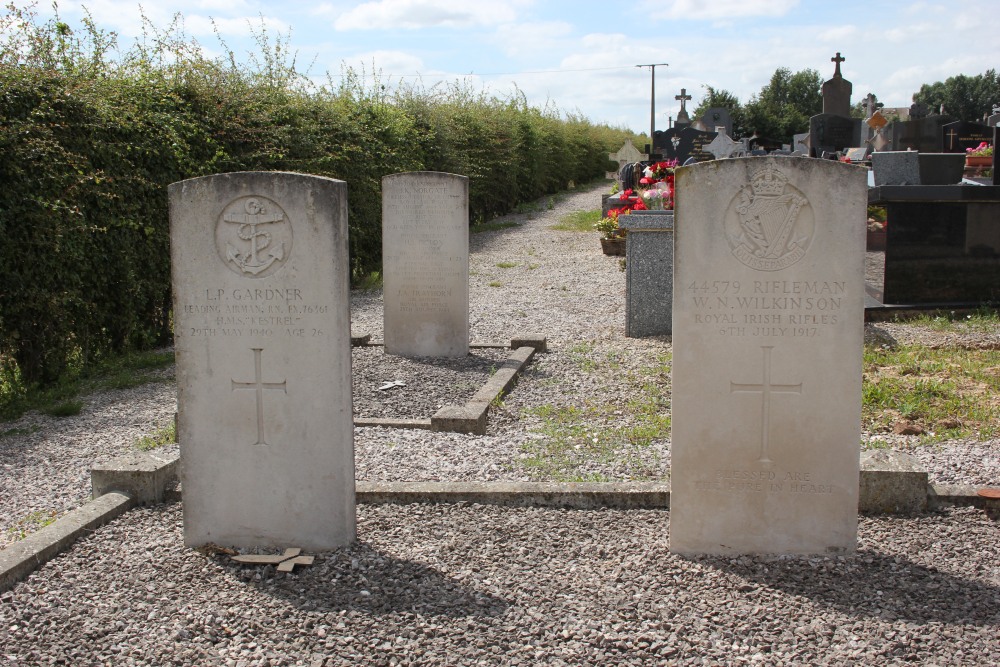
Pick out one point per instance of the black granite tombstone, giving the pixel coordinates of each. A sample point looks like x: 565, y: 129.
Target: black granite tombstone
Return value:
x: 718, y: 117
x: 923, y: 134
x: 958, y: 136
x: 832, y: 133
x: 681, y: 143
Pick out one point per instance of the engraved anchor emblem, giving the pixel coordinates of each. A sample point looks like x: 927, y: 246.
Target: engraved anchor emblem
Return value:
x: 255, y: 214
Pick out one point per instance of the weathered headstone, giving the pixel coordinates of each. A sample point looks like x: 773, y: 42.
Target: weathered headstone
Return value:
x: 767, y: 338
x: 722, y: 146
x: 648, y: 272
x: 800, y: 143
x: 958, y: 136
x: 627, y: 154
x: 262, y: 338
x: 425, y: 264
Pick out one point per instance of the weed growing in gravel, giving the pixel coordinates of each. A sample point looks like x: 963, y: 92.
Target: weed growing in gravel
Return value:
x: 34, y: 428
x: 370, y: 281
x: 949, y: 393
x: 64, y: 409
x: 496, y: 283
x: 532, y: 267
x: 31, y: 522
x: 983, y: 319
x: 164, y: 435
x: 578, y: 221
x: 603, y: 429
x: 506, y: 265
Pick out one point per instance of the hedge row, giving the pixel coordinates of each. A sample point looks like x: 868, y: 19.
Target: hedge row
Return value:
x: 90, y: 145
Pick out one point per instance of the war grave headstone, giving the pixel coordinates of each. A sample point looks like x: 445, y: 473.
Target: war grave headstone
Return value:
x: 767, y: 338
x: 262, y: 340
x: 648, y: 272
x: 425, y: 264
x: 958, y: 136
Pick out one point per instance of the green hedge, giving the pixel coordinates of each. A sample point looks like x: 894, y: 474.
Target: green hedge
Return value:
x: 89, y: 144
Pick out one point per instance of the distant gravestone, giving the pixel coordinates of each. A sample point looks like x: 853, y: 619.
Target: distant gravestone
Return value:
x: 958, y: 136
x: 722, y: 146
x: 767, y: 338
x: 800, y: 143
x: 627, y: 154
x: 837, y: 91
x: 716, y: 117
x: 648, y: 272
x: 896, y: 168
x: 830, y: 133
x: 923, y: 135
x: 682, y: 116
x: 262, y: 339
x: 425, y: 264
x: 681, y: 143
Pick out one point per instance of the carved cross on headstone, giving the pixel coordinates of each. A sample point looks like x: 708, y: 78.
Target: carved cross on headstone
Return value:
x: 259, y: 386
x: 837, y: 59
x: 765, y: 388
x: 951, y: 134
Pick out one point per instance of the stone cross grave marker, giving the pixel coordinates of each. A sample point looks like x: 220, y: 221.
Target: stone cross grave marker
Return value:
x: 682, y: 116
x: 425, y: 262
x: 767, y: 338
x: 262, y: 338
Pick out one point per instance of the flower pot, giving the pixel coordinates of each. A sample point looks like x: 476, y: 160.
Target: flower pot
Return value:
x: 613, y: 246
x: 978, y: 160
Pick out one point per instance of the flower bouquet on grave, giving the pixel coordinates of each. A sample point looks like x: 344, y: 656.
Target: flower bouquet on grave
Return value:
x: 659, y: 176
x: 984, y: 149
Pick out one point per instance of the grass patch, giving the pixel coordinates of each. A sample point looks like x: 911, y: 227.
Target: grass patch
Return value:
x: 618, y: 428
x: 28, y: 430
x: 506, y: 265
x: 164, y: 435
x: 119, y: 372
x: 495, y: 283
x: 64, y: 409
x: 370, y: 281
x: 31, y: 522
x: 982, y: 319
x: 491, y: 227
x: 949, y: 392
x: 578, y: 221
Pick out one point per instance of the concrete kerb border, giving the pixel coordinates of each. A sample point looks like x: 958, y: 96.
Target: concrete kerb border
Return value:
x: 471, y: 417
x: 138, y: 478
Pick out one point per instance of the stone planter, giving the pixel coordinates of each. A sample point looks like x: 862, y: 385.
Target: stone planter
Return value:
x: 613, y: 246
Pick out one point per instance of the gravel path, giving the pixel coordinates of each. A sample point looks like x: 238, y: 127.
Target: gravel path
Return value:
x: 482, y: 585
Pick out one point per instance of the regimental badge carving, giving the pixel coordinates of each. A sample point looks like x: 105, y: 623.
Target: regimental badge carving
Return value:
x: 770, y: 223
x: 253, y: 236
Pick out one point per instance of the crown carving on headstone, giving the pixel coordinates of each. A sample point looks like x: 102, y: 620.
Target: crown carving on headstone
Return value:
x: 768, y: 182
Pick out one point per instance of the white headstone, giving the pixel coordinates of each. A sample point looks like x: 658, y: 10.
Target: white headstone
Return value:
x: 767, y: 345
x: 425, y: 264
x: 262, y: 339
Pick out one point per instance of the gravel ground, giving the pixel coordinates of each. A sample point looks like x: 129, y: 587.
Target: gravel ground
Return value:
x: 482, y: 585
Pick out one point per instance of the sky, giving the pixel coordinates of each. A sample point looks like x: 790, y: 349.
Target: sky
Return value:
x: 580, y: 57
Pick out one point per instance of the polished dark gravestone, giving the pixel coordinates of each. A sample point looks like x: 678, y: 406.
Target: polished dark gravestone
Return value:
x: 923, y: 134
x: 681, y: 143
x: 832, y: 133
x: 942, y: 244
x: 958, y: 136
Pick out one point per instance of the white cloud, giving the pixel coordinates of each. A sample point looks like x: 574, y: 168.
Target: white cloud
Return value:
x: 838, y: 34
x: 417, y: 14
x: 521, y: 39
x: 715, y: 9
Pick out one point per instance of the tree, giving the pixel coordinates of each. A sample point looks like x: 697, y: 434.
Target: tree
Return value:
x: 965, y: 97
x: 725, y: 100
x: 783, y: 106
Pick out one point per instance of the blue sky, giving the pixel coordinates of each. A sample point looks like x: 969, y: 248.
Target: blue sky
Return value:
x: 581, y: 56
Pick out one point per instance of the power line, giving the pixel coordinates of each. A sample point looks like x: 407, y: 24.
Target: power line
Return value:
x: 541, y: 71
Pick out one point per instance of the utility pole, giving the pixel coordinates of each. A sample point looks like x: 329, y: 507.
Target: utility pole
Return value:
x: 652, y: 102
